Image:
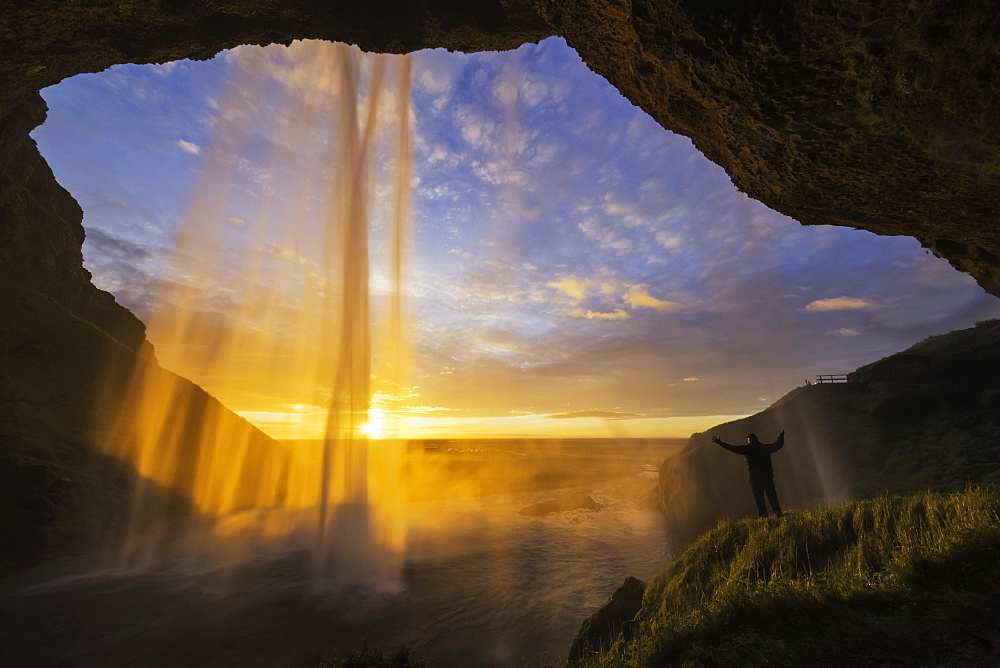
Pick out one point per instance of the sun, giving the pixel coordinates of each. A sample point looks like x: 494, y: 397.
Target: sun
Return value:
x: 374, y: 428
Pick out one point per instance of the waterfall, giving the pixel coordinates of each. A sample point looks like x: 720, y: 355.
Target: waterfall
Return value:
x: 283, y: 298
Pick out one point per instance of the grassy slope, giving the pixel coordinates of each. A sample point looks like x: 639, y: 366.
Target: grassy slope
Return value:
x: 908, y: 580
x: 905, y: 579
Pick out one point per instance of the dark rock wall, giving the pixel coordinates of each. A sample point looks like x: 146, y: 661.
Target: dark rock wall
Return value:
x: 41, y: 232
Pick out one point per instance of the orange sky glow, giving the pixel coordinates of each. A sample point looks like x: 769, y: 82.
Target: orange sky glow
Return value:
x: 309, y: 424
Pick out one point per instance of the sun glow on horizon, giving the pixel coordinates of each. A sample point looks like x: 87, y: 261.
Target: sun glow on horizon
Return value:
x: 375, y: 427
x: 381, y: 425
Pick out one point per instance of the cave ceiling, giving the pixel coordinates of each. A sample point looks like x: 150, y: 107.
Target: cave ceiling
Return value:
x: 874, y: 115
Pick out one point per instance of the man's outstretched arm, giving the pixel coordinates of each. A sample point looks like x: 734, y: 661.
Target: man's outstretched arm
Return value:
x: 774, y: 447
x: 738, y: 449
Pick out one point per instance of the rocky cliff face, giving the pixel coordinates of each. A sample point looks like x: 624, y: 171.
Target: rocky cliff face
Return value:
x: 57, y: 490
x: 41, y: 232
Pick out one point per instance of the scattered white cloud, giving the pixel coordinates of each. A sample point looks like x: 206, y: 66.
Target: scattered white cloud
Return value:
x: 608, y: 415
x: 604, y: 236
x: 165, y: 69
x: 188, y: 147
x: 840, y: 304
x: 669, y: 241
x: 691, y: 379
x: 534, y: 92
x: 617, y: 314
x: 419, y: 410
x: 475, y: 128
x: 434, y: 72
x: 506, y: 93
x: 843, y: 332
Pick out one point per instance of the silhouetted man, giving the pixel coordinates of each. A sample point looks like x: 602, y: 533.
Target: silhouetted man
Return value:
x: 758, y: 456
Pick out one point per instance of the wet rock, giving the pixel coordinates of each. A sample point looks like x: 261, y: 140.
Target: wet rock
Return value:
x: 615, y: 618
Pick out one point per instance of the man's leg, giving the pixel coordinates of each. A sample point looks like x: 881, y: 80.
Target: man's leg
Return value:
x: 758, y: 497
x: 772, y: 496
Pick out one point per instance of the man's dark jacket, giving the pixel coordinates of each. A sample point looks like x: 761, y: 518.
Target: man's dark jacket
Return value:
x: 758, y: 456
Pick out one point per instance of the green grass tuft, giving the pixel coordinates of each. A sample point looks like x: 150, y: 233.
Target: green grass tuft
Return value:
x: 899, y: 578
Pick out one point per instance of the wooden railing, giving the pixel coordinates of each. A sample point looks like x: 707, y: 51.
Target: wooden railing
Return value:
x: 831, y: 378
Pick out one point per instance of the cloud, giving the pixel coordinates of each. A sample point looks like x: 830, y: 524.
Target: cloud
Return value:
x: 111, y: 245
x: 617, y: 314
x: 187, y: 146
x: 843, y: 332
x: 575, y: 288
x: 690, y: 379
x: 609, y: 415
x: 419, y: 410
x: 489, y: 291
x: 535, y: 92
x: 435, y: 71
x: 669, y: 241
x: 475, y: 127
x: 637, y: 295
x: 604, y: 237
x: 610, y: 287
x: 840, y: 304
x: 506, y: 93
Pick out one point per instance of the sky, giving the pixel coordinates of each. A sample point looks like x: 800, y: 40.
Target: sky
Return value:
x: 576, y: 270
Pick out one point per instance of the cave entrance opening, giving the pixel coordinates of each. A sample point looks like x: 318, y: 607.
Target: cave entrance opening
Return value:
x: 577, y: 271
